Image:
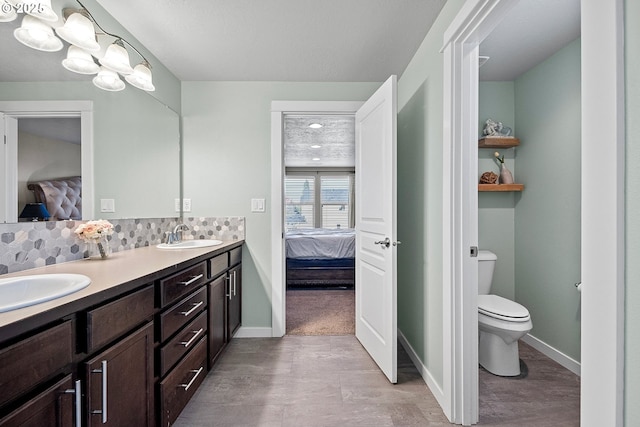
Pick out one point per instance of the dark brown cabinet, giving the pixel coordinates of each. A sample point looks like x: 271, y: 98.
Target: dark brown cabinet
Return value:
x: 217, y: 317
x: 132, y: 356
x: 234, y: 304
x: 119, y: 382
x: 53, y: 407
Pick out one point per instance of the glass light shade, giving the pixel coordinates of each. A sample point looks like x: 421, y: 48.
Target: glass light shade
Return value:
x: 78, y: 30
x: 7, y: 12
x: 116, y: 58
x: 141, y: 77
x: 80, y: 61
x: 40, y: 9
x: 37, y: 35
x: 108, y: 80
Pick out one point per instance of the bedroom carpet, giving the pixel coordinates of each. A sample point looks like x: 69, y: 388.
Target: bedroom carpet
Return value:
x: 321, y: 312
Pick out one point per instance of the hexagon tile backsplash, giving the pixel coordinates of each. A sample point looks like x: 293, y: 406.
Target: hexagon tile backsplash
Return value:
x: 28, y: 245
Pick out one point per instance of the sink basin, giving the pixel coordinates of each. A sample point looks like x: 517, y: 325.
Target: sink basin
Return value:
x: 190, y: 244
x: 18, y: 292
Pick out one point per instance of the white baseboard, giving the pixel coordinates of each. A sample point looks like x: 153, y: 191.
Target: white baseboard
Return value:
x: 253, y: 332
x: 435, y: 389
x: 553, y: 353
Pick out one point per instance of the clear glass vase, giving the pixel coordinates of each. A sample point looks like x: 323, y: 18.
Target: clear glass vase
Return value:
x: 98, y: 248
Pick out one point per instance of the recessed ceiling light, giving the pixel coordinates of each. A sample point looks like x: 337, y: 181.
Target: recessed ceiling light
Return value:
x: 316, y: 159
x: 316, y: 146
x: 315, y: 125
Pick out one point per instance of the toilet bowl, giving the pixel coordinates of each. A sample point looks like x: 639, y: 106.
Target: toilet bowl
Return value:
x: 501, y: 323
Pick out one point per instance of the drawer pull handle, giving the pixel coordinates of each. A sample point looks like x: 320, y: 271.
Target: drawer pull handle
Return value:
x: 102, y: 411
x: 193, y: 338
x: 78, y: 401
x: 194, y: 308
x: 190, y: 383
x: 192, y: 280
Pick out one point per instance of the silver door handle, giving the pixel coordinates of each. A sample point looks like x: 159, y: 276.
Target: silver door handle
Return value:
x: 194, y: 308
x: 398, y: 243
x: 235, y: 281
x: 196, y: 334
x: 190, y: 383
x: 386, y: 242
x: 193, y: 280
x: 102, y: 411
x: 78, y: 401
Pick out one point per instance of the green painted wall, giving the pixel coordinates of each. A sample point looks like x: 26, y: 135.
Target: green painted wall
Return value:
x: 227, y: 152
x: 420, y: 197
x: 496, y: 213
x: 632, y: 292
x: 547, y: 212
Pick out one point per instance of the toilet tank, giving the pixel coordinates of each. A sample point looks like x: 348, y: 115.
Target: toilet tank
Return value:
x: 486, y: 264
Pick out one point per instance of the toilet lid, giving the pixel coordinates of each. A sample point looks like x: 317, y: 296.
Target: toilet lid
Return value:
x: 502, y: 308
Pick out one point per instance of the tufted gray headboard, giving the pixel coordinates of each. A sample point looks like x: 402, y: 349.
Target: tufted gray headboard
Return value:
x: 61, y: 196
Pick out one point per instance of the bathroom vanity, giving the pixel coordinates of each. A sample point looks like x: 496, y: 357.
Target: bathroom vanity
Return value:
x: 129, y: 349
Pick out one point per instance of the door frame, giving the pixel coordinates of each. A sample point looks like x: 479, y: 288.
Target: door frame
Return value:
x: 278, y: 110
x: 602, y: 253
x: 53, y: 109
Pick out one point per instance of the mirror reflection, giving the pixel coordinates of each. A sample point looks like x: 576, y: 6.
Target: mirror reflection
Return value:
x: 129, y: 166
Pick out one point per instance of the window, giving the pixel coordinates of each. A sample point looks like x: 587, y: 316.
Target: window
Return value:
x: 318, y: 200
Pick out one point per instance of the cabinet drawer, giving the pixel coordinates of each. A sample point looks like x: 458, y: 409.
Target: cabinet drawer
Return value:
x: 178, y: 387
x: 235, y: 256
x: 184, y: 311
x: 173, y: 287
x: 112, y: 320
x: 218, y: 264
x: 34, y: 359
x: 52, y: 405
x: 184, y: 341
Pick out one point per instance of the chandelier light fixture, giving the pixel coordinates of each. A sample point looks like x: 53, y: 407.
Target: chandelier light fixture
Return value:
x: 79, y: 31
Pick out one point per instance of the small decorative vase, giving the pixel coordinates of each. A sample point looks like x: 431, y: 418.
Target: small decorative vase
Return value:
x: 505, y: 175
x: 98, y: 248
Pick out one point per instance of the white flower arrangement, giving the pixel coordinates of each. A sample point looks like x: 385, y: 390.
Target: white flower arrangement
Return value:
x: 96, y: 229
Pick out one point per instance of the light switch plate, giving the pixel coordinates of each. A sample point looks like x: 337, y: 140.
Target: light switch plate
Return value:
x: 257, y: 205
x: 107, y: 205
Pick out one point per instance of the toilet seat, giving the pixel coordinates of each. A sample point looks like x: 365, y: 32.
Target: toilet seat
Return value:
x: 501, y: 308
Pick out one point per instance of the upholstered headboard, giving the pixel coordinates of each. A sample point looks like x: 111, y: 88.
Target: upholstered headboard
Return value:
x: 61, y: 196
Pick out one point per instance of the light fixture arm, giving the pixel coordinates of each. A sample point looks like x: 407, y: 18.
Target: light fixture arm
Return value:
x: 88, y: 14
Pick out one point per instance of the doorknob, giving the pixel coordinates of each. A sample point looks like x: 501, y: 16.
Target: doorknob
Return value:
x: 386, y: 242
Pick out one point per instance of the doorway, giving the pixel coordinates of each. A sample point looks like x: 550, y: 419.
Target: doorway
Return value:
x: 12, y: 112
x: 602, y: 229
x: 319, y: 233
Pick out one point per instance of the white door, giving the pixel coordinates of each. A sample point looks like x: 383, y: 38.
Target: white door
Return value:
x: 376, y: 320
x: 9, y: 174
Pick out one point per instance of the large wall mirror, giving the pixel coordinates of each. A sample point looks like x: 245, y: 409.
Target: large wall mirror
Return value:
x: 124, y: 145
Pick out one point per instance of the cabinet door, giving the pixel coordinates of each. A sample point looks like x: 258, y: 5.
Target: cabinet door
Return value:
x: 234, y: 301
x: 120, y: 382
x: 217, y: 317
x: 53, y: 407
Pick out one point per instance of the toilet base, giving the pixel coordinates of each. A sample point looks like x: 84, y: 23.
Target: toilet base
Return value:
x: 498, y: 357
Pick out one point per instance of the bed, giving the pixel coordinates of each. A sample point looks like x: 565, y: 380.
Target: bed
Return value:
x: 320, y: 257
x: 61, y: 196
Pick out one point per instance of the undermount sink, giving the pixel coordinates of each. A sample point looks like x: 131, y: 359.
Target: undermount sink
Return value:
x: 19, y: 292
x: 190, y: 244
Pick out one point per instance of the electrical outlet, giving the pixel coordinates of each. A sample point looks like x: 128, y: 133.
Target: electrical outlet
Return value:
x: 186, y: 205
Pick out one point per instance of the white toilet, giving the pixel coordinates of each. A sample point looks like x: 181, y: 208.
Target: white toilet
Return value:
x: 501, y: 322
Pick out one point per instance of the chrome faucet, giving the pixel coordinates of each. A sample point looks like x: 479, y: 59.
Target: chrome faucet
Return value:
x: 175, y: 236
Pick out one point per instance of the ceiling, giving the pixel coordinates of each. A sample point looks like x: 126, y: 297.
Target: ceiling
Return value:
x: 302, y: 40
x: 330, y: 144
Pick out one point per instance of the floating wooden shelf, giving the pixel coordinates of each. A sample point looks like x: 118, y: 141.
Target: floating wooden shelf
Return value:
x: 500, y: 187
x: 498, y: 142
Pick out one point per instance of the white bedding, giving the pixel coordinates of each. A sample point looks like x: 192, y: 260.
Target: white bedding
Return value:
x: 321, y: 243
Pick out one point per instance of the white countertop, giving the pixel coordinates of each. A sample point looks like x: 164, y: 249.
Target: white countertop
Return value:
x: 118, y: 269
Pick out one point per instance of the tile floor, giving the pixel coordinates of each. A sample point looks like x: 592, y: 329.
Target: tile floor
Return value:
x: 331, y: 381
